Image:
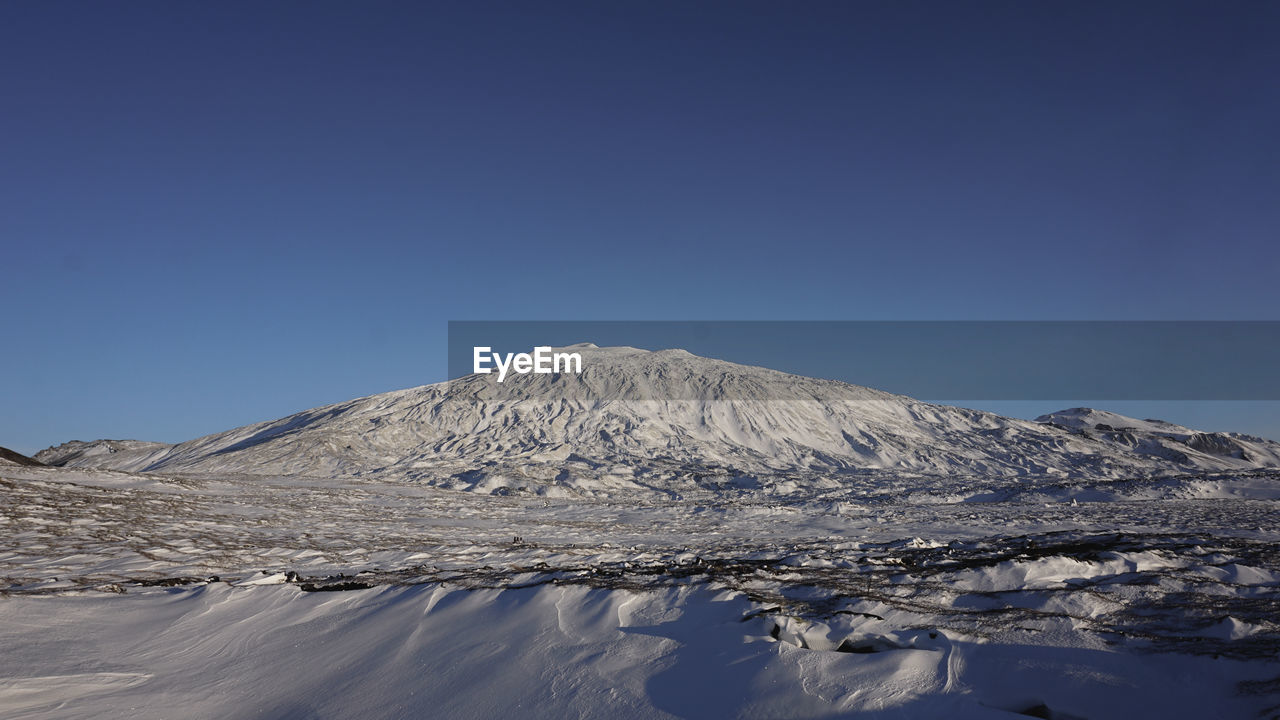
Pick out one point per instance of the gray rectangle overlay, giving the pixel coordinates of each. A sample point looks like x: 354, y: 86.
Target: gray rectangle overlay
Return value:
x: 946, y: 360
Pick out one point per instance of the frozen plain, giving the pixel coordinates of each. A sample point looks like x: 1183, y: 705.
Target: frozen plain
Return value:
x: 1079, y: 589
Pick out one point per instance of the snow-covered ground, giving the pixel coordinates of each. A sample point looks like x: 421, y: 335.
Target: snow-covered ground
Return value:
x: 371, y: 598
x: 723, y: 554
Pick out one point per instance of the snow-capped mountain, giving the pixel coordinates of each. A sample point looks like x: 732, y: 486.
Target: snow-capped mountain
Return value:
x: 640, y: 418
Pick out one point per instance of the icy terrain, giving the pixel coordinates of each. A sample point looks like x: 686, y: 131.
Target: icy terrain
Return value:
x: 715, y: 541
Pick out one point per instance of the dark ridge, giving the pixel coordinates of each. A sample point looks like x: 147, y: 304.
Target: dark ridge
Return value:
x: 339, y: 586
x: 19, y: 458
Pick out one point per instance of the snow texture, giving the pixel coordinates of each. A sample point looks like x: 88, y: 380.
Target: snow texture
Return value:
x: 710, y: 541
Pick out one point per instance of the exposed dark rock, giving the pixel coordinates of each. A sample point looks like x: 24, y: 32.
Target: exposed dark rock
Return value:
x: 18, y: 458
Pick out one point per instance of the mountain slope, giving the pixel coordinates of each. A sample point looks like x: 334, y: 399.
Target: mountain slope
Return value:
x: 113, y: 454
x: 640, y: 418
x: 1164, y: 439
x: 11, y: 457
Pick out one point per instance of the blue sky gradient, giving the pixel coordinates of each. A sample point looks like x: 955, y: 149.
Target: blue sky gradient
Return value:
x: 214, y: 214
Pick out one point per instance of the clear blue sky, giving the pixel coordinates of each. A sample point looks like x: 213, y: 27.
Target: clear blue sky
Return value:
x: 218, y: 213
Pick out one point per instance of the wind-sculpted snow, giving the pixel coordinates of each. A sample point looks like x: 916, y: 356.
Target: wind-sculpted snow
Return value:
x: 670, y: 421
x: 661, y: 536
x: 129, y: 592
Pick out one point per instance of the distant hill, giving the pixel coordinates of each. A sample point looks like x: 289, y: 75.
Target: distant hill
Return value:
x: 114, y: 454
x: 17, y: 458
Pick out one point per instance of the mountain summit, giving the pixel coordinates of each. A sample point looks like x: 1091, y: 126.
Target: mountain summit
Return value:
x: 638, y: 418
